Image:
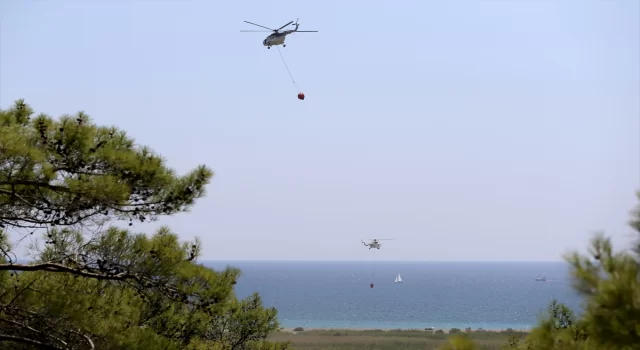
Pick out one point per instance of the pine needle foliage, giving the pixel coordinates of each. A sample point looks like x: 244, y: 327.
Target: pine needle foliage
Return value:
x: 94, y: 286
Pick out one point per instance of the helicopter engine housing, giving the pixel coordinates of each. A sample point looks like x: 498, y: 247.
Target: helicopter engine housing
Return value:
x: 272, y: 40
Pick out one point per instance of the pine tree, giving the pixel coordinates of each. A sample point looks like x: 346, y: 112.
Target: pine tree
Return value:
x: 92, y: 287
x: 609, y: 282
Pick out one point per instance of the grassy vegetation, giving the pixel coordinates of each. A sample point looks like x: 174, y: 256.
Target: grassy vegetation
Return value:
x: 340, y: 339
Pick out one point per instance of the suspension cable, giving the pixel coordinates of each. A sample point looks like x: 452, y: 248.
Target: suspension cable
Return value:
x: 287, y: 67
x: 373, y: 264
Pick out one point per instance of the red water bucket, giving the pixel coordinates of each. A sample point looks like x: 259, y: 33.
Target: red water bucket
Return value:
x: 371, y: 285
x: 301, y: 96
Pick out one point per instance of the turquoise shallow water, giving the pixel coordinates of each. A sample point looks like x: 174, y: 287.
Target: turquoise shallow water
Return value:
x: 434, y: 294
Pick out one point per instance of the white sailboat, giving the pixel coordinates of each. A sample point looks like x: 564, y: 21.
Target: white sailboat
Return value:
x: 398, y: 279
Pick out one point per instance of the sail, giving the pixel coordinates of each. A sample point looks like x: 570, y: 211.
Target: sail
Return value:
x: 398, y: 279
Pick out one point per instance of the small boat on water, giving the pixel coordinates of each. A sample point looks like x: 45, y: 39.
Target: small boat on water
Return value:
x: 541, y: 279
x: 398, y: 279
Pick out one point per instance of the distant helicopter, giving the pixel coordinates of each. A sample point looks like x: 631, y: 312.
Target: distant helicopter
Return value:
x: 277, y: 38
x: 374, y: 243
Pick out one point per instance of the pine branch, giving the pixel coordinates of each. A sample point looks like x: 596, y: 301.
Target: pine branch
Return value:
x: 5, y: 337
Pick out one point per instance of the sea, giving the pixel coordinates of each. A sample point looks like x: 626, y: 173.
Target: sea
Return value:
x: 443, y: 295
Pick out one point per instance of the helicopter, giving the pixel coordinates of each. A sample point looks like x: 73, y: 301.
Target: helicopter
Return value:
x: 277, y: 38
x: 374, y: 243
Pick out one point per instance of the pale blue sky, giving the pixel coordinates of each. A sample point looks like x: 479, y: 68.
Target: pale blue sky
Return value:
x: 467, y: 130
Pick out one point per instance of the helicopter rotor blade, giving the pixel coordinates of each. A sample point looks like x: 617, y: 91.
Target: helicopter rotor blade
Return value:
x: 273, y: 30
x: 306, y: 31
x: 283, y: 26
x: 254, y: 31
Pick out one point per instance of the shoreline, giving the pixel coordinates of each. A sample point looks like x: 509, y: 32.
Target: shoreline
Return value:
x: 316, y: 338
x: 369, y: 329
